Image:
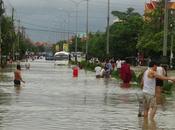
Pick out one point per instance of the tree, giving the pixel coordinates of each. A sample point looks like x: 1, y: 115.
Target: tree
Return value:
x: 125, y: 33
x: 151, y: 38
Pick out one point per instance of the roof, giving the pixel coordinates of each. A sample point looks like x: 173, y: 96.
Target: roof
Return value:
x: 62, y: 52
x: 149, y: 6
x: 171, y: 5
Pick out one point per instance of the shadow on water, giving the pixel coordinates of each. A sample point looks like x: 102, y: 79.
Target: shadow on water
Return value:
x: 18, y: 90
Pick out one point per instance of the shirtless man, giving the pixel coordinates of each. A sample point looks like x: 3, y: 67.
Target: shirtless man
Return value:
x: 17, y: 76
x: 149, y: 86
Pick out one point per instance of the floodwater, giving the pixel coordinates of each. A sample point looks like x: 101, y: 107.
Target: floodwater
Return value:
x: 51, y: 99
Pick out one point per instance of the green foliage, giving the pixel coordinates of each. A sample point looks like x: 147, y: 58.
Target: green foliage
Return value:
x: 151, y: 43
x: 115, y: 74
x: 97, y: 46
x: 87, y: 65
x: 123, y: 36
x: 151, y: 38
x: 8, y: 35
x: 167, y: 87
x: 134, y: 76
x: 14, y: 42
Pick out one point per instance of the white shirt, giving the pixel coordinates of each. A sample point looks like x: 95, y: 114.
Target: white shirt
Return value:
x: 98, y: 70
x: 160, y: 71
x: 119, y: 64
x: 149, y: 84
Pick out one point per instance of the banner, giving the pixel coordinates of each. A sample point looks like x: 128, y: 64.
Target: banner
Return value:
x: 57, y: 48
x: 66, y: 47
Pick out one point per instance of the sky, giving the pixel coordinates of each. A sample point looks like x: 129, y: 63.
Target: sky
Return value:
x: 47, y: 20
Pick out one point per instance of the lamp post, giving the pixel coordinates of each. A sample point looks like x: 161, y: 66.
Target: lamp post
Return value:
x: 108, y: 18
x: 1, y: 13
x: 76, y: 38
x: 172, y: 39
x: 68, y: 22
x: 87, y: 29
x: 165, y: 29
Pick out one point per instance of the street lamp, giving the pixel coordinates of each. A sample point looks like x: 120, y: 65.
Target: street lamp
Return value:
x: 172, y: 38
x: 108, y: 18
x: 2, y: 10
x: 87, y: 29
x: 76, y: 40
x: 68, y: 22
x: 165, y: 29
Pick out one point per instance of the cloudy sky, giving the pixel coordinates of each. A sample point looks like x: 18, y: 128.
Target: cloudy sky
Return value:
x: 46, y: 20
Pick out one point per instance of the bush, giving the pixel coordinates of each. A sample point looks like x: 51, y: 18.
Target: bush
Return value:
x: 115, y: 74
x: 134, y: 77
x: 167, y: 87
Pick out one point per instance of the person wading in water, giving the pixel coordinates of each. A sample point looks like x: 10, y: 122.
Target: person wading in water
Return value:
x: 17, y: 76
x: 149, y: 89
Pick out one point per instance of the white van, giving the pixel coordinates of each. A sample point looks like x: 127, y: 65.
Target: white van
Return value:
x: 61, y: 58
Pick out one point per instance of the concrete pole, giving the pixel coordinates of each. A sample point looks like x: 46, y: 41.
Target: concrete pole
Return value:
x: 76, y: 37
x: 108, y: 18
x: 172, y: 39
x: 1, y: 13
x: 171, y: 50
x: 87, y: 29
x: 165, y: 29
x: 0, y: 40
x: 13, y: 47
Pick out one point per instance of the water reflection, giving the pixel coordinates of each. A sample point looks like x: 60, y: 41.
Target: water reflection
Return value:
x: 149, y: 124
x: 17, y: 89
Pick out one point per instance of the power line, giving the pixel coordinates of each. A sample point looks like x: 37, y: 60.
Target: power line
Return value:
x: 47, y: 30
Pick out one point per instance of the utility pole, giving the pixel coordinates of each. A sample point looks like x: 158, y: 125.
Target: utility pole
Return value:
x: 13, y: 10
x: 76, y: 37
x: 165, y: 29
x: 108, y: 18
x: 68, y: 24
x: 172, y: 39
x: 18, y: 46
x: 87, y: 29
x: 1, y: 13
x: 171, y: 49
x: 13, y: 47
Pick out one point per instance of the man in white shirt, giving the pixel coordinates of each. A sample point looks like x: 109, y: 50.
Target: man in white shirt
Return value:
x: 98, y: 71
x: 149, y: 86
x: 118, y: 64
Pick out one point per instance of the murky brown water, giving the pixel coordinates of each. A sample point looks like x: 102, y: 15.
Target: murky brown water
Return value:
x: 52, y: 99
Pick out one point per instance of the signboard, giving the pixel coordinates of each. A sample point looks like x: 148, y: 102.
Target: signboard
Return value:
x: 57, y: 47
x: 65, y: 47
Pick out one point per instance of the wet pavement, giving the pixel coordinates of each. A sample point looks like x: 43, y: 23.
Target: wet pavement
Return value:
x: 51, y: 99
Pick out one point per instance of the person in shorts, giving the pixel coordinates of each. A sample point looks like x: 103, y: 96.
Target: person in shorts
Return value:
x: 17, y: 76
x: 149, y: 87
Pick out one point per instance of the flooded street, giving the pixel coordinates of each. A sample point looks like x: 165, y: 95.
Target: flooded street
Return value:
x: 51, y: 99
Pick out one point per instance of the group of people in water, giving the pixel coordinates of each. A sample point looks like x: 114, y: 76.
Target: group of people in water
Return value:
x: 122, y: 67
x: 151, y: 82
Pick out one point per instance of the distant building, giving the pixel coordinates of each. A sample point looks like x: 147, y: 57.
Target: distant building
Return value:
x: 152, y: 5
x: 171, y: 5
x: 40, y: 43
